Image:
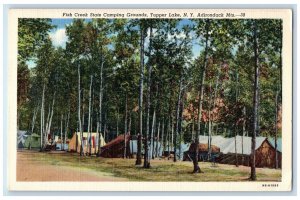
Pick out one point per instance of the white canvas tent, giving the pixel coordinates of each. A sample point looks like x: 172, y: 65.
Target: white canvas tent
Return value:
x: 86, y: 138
x: 184, y: 147
x: 59, y: 146
x: 133, y: 146
x: 152, y: 149
x: 227, y: 145
x: 21, y: 138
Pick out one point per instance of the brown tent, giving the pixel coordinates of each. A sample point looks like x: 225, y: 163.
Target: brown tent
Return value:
x: 115, y: 148
x: 204, y: 148
x: 203, y: 151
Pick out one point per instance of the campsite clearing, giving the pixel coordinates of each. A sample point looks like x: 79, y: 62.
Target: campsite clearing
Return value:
x: 50, y: 166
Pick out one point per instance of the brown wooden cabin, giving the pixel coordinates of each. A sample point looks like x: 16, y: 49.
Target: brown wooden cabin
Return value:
x: 265, y: 155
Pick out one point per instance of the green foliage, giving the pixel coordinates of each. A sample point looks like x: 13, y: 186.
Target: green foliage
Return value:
x: 31, y: 35
x: 115, y: 43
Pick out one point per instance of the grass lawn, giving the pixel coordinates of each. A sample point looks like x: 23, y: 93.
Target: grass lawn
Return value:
x: 161, y: 170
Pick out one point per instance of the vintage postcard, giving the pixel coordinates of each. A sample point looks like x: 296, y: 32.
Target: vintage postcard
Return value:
x: 150, y: 100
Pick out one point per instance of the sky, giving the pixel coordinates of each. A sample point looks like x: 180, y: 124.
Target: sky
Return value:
x: 59, y: 38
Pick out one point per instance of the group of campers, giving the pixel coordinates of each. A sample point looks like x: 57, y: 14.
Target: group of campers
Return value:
x: 215, y: 149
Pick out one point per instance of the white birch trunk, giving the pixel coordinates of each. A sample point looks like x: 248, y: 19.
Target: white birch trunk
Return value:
x: 244, y: 130
x: 97, y: 131
x: 50, y: 120
x: 33, y: 123
x: 67, y: 126
x: 152, y: 134
x: 104, y: 127
x: 177, y: 119
x: 209, y: 124
x: 79, y: 109
x: 34, y: 118
x: 100, y: 106
x: 157, y: 140
x: 125, y: 127
x: 163, y: 135
x: 235, y: 128
x: 61, y: 132
x: 168, y: 136
x: 45, y: 127
x: 82, y: 141
x: 89, y: 120
x: 42, y: 118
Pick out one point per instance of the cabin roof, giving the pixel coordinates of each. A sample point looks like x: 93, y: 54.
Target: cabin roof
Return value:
x: 279, y: 143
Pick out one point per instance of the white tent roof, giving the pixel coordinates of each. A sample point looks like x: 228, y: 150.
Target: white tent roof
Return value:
x: 227, y: 145
x: 21, y: 133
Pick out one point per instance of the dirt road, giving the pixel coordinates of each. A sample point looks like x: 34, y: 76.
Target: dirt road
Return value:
x: 29, y: 169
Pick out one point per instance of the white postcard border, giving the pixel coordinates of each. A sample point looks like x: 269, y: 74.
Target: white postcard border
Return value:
x: 284, y: 185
